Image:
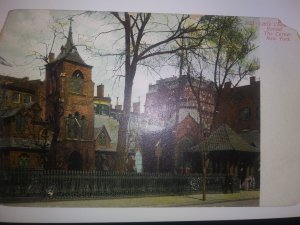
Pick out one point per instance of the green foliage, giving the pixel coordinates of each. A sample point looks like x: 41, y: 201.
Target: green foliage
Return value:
x: 225, y: 53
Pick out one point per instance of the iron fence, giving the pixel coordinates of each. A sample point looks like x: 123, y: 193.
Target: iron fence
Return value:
x: 58, y: 184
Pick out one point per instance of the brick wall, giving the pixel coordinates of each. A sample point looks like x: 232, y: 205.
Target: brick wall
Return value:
x: 234, y: 101
x: 72, y: 103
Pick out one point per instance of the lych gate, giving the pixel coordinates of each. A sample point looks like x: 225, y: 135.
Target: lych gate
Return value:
x: 228, y: 153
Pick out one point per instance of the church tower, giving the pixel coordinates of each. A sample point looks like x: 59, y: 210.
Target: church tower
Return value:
x: 69, y: 108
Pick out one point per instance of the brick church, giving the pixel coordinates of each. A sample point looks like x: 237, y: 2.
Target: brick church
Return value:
x: 69, y: 80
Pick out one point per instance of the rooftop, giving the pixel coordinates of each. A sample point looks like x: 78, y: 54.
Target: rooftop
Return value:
x: 69, y: 51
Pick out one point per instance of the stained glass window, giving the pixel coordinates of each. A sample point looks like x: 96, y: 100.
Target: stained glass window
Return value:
x: 76, y: 126
x: 102, y: 139
x: 82, y: 126
x: 76, y: 82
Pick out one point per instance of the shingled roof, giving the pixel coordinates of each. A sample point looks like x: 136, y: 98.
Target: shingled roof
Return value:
x: 69, y: 51
x: 225, y: 139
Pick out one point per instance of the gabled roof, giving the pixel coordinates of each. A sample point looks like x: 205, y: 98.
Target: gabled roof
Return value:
x: 98, y: 131
x: 10, y: 112
x: 111, y: 125
x: 225, y: 139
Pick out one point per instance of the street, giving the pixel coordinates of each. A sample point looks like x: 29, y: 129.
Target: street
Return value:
x: 243, y: 198
x: 242, y: 203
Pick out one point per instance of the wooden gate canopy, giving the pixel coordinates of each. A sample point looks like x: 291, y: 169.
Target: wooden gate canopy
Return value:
x: 224, y: 139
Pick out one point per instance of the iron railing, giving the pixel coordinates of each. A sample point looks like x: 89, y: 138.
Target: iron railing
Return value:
x: 58, y: 184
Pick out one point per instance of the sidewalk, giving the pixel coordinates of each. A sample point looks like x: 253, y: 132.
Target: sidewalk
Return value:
x: 156, y: 201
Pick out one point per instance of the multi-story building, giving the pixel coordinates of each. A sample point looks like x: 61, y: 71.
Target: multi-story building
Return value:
x: 22, y: 143
x: 240, y: 109
x: 102, y: 104
x: 172, y: 103
x: 106, y: 127
x: 69, y: 100
x: 173, y: 96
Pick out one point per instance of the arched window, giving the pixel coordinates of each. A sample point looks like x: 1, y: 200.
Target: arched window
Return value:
x: 76, y: 82
x: 76, y: 126
x: 70, y: 126
x: 102, y: 138
x: 23, y: 160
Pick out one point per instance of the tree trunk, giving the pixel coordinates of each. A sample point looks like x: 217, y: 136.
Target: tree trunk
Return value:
x: 123, y: 128
x: 130, y: 70
x: 214, y: 123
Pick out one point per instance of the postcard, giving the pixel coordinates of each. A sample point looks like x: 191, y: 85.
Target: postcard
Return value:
x: 104, y: 109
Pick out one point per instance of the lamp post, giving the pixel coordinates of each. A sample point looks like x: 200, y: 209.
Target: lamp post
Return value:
x: 158, y: 153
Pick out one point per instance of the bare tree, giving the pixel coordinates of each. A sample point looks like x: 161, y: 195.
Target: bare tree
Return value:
x: 4, y: 62
x: 141, y: 44
x: 224, y: 55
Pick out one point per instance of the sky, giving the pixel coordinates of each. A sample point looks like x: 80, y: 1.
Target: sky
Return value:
x: 29, y: 31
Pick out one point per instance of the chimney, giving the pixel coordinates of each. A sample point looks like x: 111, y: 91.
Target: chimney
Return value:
x: 118, y: 107
x: 100, y: 91
x: 136, y: 107
x: 227, y: 85
x: 252, y: 80
x: 51, y: 57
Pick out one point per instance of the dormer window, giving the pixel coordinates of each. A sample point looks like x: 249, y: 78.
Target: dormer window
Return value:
x: 76, y: 82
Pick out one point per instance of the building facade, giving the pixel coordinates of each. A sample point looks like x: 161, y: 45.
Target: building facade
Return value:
x: 69, y: 101
x: 183, y: 117
x: 23, y: 144
x: 240, y: 109
x: 170, y: 100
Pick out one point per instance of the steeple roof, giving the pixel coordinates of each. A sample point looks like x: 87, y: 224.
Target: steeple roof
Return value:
x: 69, y: 51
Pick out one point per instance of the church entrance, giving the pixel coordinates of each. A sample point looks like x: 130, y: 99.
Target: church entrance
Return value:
x: 75, y: 161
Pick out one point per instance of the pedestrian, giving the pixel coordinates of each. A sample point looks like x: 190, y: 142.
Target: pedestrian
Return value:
x: 228, y: 183
x: 249, y: 183
x: 252, y: 183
